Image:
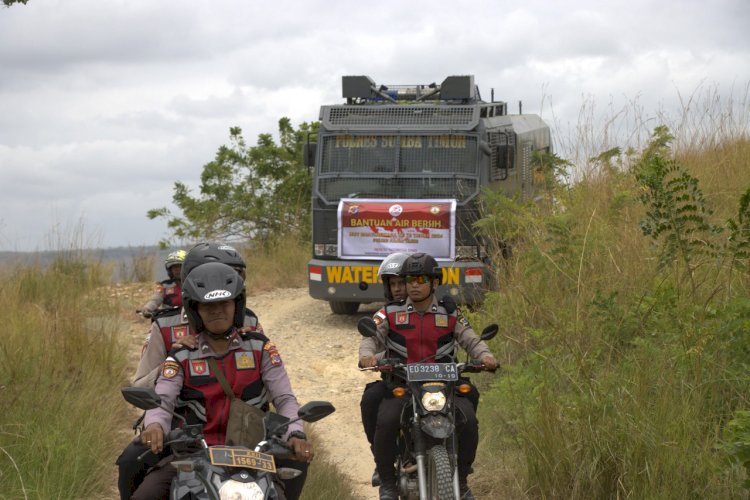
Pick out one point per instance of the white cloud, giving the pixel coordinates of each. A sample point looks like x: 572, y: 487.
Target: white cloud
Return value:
x: 103, y: 105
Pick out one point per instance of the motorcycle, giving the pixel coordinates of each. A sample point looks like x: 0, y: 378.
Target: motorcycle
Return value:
x: 227, y: 472
x: 426, y: 464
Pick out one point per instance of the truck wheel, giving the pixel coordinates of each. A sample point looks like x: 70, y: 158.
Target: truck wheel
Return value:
x: 339, y: 307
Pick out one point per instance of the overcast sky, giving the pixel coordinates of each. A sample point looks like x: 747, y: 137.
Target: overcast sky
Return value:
x: 104, y: 104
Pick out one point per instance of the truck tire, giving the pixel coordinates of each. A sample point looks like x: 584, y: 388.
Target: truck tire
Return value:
x: 339, y: 307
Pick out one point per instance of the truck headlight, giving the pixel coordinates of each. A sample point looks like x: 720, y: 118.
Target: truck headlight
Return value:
x: 433, y: 401
x: 325, y: 249
x: 467, y: 253
x: 235, y: 490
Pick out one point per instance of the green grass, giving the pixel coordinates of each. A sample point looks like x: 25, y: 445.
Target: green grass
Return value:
x: 625, y: 336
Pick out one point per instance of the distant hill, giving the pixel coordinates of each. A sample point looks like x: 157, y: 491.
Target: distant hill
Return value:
x: 121, y: 257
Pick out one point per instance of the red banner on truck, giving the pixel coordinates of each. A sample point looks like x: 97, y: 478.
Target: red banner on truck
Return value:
x: 375, y: 228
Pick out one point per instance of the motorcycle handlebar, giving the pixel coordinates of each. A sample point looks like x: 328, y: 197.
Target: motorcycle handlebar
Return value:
x: 172, y: 437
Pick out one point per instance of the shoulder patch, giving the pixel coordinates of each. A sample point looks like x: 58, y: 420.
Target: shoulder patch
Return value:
x: 170, y: 368
x: 379, y: 317
x: 273, y: 353
x: 462, y: 319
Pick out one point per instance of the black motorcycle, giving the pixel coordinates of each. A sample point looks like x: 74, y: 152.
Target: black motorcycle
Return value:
x: 227, y: 472
x: 427, y: 448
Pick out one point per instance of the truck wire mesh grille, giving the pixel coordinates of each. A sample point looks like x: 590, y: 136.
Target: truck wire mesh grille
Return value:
x: 368, y: 154
x: 385, y: 117
x: 398, y: 166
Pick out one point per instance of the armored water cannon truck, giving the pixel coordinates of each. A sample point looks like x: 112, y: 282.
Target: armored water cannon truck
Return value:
x: 399, y: 168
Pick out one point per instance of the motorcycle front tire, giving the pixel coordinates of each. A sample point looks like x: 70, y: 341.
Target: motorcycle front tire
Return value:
x: 439, y: 474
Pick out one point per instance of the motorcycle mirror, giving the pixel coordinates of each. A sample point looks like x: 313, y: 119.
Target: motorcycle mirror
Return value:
x: 315, y: 410
x: 144, y: 398
x: 367, y: 327
x: 489, y: 331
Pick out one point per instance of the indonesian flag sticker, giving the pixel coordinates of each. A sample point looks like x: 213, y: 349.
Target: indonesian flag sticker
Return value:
x: 316, y: 273
x: 473, y: 275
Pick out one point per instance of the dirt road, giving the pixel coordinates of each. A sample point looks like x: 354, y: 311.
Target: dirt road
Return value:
x: 319, y: 350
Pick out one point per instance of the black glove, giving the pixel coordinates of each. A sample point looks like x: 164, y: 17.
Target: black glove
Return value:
x: 449, y: 303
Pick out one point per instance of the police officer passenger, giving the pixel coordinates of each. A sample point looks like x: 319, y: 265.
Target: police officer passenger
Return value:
x: 168, y: 294
x: 394, y: 288
x: 214, y: 300
x: 419, y: 330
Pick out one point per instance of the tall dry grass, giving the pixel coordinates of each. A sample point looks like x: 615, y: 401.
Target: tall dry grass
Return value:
x: 625, y: 357
x: 279, y: 263
x: 60, y: 372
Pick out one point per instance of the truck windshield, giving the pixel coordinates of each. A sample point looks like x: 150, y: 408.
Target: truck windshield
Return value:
x: 398, y: 166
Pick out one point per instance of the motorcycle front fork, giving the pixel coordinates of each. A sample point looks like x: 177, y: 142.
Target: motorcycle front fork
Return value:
x: 419, y: 454
x: 454, y: 455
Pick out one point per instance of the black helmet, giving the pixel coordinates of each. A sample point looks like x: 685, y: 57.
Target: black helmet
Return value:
x: 213, y: 252
x: 212, y: 282
x: 419, y: 264
x: 391, y: 266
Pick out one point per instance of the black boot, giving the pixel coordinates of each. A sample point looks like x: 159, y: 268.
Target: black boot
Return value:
x: 465, y: 491
x: 376, y: 478
x: 388, y: 491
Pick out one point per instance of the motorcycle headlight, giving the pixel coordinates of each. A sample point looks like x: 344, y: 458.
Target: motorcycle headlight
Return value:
x: 433, y: 401
x: 235, y: 490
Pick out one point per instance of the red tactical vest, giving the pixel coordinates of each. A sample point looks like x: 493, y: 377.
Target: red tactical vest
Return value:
x: 202, y: 395
x: 420, y: 337
x: 172, y: 293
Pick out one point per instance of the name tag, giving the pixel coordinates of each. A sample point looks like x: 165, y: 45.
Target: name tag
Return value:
x: 441, y: 320
x: 244, y: 360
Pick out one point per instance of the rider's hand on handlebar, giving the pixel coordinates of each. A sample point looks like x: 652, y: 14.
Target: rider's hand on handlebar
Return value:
x: 303, y: 451
x: 367, y: 361
x: 153, y: 437
x: 489, y: 362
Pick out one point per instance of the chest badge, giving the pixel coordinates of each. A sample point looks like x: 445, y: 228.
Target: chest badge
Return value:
x: 244, y: 361
x: 441, y: 320
x: 198, y: 367
x: 402, y: 318
x: 178, y: 332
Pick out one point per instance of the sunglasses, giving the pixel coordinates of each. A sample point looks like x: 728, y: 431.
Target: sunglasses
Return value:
x: 421, y: 280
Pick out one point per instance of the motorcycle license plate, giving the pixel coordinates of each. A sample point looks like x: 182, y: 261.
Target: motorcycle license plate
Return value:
x: 422, y: 372
x: 228, y: 456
